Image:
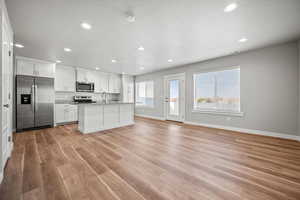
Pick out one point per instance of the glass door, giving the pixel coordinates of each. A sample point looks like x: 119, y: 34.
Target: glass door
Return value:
x: 174, y: 98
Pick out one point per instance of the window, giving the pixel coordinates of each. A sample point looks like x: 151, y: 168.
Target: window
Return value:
x: 144, y: 94
x: 217, y: 91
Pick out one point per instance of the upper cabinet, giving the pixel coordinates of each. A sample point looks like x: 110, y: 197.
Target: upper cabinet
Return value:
x: 45, y: 70
x: 85, y: 75
x: 101, y: 82
x: 25, y: 67
x: 127, y: 88
x: 65, y: 78
x: 31, y: 67
x: 114, y: 83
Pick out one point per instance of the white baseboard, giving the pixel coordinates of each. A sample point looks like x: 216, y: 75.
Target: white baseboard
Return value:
x: 249, y: 131
x: 150, y: 117
x: 230, y: 128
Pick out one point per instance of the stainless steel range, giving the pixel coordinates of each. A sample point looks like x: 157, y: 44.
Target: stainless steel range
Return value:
x: 83, y: 99
x: 35, y: 102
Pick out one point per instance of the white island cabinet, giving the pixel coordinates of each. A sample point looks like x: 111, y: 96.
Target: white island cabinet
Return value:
x: 98, y: 117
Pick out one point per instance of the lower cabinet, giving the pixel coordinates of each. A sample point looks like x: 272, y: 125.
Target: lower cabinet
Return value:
x: 66, y: 113
x: 98, y: 117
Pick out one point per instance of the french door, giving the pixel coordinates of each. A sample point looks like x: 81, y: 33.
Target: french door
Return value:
x: 175, y: 97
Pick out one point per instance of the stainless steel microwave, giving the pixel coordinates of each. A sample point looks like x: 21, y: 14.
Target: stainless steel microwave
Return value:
x: 84, y: 87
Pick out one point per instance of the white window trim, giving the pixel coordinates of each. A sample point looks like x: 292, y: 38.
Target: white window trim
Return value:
x: 144, y: 106
x: 212, y: 111
x: 218, y: 112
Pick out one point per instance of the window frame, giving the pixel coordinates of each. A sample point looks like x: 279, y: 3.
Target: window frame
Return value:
x: 216, y: 111
x: 135, y: 94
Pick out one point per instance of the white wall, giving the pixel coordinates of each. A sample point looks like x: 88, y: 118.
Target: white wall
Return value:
x: 269, y: 89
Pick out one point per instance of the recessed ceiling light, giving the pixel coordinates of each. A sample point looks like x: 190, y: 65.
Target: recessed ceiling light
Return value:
x: 243, y: 39
x: 58, y: 61
x: 67, y: 49
x: 113, y: 61
x: 131, y: 18
x: 19, y: 45
x: 141, y: 48
x: 170, y: 60
x: 97, y: 68
x: 86, y: 26
x: 231, y: 7
x: 142, y: 68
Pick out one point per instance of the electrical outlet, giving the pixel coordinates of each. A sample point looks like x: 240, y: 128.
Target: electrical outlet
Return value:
x: 228, y: 118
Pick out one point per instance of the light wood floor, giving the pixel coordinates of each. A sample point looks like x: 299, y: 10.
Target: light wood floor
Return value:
x: 151, y: 160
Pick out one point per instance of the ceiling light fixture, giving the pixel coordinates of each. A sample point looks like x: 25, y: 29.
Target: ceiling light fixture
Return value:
x: 231, y: 7
x: 58, y: 61
x: 130, y: 16
x: 67, y: 49
x: 19, y: 45
x: 243, y: 39
x: 86, y: 26
x: 170, y: 60
x: 113, y: 61
x: 141, y: 48
x: 142, y: 68
x: 97, y: 68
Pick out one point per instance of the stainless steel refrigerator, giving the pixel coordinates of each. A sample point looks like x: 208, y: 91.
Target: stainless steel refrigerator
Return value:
x: 35, y: 102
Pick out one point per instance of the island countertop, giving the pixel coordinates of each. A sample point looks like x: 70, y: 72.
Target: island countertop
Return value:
x: 103, y: 103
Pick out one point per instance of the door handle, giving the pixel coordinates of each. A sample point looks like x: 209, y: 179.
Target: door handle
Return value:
x: 32, y: 98
x: 35, y: 96
x: 6, y: 105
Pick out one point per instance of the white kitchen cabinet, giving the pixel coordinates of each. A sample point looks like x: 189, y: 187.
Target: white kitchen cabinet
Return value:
x: 94, y: 78
x: 45, y: 70
x: 102, y: 81
x: 65, y: 113
x: 85, y: 75
x: 65, y: 78
x: 32, y: 67
x: 59, y: 113
x: 114, y: 83
x: 25, y: 67
x: 127, y: 88
x: 99, y: 117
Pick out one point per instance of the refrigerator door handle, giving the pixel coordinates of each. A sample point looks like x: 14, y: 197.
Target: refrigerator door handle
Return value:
x: 35, y: 96
x: 32, y: 98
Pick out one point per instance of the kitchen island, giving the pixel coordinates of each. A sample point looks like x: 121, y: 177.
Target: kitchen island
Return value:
x: 93, y: 117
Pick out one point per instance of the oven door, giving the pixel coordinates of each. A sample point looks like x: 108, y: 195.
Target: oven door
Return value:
x: 84, y: 87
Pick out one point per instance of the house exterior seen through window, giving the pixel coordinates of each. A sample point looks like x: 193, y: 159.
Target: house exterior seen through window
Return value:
x: 217, y: 91
x: 144, y: 94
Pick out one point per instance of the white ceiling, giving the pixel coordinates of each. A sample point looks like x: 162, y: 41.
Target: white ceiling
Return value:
x: 183, y: 30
